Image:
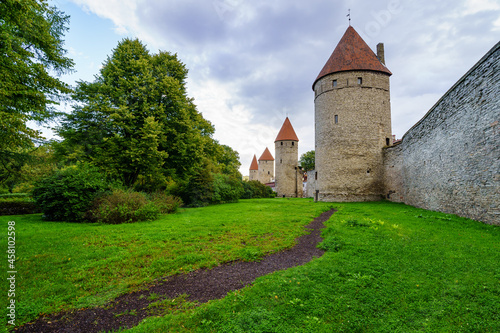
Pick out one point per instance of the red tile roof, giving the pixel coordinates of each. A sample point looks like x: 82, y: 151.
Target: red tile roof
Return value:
x: 287, y: 132
x: 254, y: 165
x: 352, y: 53
x: 266, y: 156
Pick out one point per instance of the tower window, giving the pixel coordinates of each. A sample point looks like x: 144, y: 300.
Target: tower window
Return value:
x: 336, y: 119
x: 387, y: 141
x: 360, y: 80
x: 269, y: 172
x: 293, y: 143
x: 282, y: 143
x: 281, y: 161
x: 334, y: 82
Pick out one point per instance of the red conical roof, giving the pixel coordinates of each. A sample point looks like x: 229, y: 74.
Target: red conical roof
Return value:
x: 287, y: 132
x: 254, y: 165
x: 352, y: 53
x: 266, y: 156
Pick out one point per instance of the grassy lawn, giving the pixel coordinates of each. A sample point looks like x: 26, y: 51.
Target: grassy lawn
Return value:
x: 64, y: 266
x: 389, y: 268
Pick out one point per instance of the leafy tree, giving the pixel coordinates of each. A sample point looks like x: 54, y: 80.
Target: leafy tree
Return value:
x: 307, y: 161
x: 226, y: 189
x: 40, y: 164
x: 31, y: 47
x: 229, y: 161
x: 135, y: 120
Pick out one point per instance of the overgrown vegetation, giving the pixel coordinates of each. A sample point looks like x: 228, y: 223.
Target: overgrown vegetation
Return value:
x: 68, y: 194
x: 122, y: 206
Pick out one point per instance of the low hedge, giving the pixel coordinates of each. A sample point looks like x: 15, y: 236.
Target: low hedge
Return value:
x: 18, y: 206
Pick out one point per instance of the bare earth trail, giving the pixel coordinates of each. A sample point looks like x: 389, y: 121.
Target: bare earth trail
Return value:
x: 201, y: 286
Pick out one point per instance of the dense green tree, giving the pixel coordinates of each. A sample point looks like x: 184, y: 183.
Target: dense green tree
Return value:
x: 228, y: 161
x: 135, y: 120
x: 31, y: 54
x: 307, y: 161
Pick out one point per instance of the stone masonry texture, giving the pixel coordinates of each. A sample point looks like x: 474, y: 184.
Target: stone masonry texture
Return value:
x: 450, y: 160
x: 288, y: 176
x: 353, y: 125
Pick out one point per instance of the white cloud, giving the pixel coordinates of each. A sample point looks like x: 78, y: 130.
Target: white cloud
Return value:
x: 476, y: 6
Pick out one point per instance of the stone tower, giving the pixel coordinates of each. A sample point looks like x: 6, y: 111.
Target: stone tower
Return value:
x: 352, y: 122
x: 266, y: 167
x: 288, y: 175
x: 254, y: 169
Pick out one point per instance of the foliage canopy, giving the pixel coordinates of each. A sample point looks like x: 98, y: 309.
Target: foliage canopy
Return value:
x: 307, y: 160
x: 136, y: 122
x: 31, y: 52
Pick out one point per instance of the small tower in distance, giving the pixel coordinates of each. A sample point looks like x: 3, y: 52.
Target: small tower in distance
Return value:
x: 254, y: 169
x: 288, y: 175
x: 266, y: 167
x: 352, y: 122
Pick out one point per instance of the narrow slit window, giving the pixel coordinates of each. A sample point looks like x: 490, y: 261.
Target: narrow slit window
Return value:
x: 293, y: 143
x: 360, y: 80
x: 334, y: 82
x: 387, y: 141
x: 336, y: 119
x: 282, y: 143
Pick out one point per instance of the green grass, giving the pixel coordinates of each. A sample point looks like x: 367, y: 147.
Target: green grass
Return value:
x: 63, y: 266
x: 389, y: 268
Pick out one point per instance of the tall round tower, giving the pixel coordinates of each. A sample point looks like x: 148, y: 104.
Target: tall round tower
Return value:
x: 266, y: 167
x: 288, y: 175
x: 352, y: 122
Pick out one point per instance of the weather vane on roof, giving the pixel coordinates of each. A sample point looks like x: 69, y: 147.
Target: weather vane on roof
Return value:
x: 349, y: 16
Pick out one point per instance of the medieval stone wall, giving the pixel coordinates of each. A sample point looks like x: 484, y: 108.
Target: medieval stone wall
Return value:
x: 450, y: 160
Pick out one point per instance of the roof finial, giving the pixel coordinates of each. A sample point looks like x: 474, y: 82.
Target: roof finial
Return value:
x: 349, y: 16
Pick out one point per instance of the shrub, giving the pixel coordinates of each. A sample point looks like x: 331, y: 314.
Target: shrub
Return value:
x: 166, y: 203
x: 254, y: 189
x: 17, y: 205
x: 123, y: 207
x: 68, y: 194
x: 226, y: 189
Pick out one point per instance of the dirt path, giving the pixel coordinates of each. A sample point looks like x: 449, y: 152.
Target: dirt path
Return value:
x: 202, y: 285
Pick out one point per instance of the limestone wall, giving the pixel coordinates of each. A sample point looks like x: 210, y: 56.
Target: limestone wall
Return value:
x: 266, y: 171
x: 288, y: 177
x: 450, y: 160
x: 353, y: 124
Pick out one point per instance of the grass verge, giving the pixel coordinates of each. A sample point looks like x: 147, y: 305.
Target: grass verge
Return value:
x: 63, y: 266
x: 388, y: 268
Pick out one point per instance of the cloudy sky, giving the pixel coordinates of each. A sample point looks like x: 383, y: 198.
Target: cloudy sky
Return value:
x: 252, y: 62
